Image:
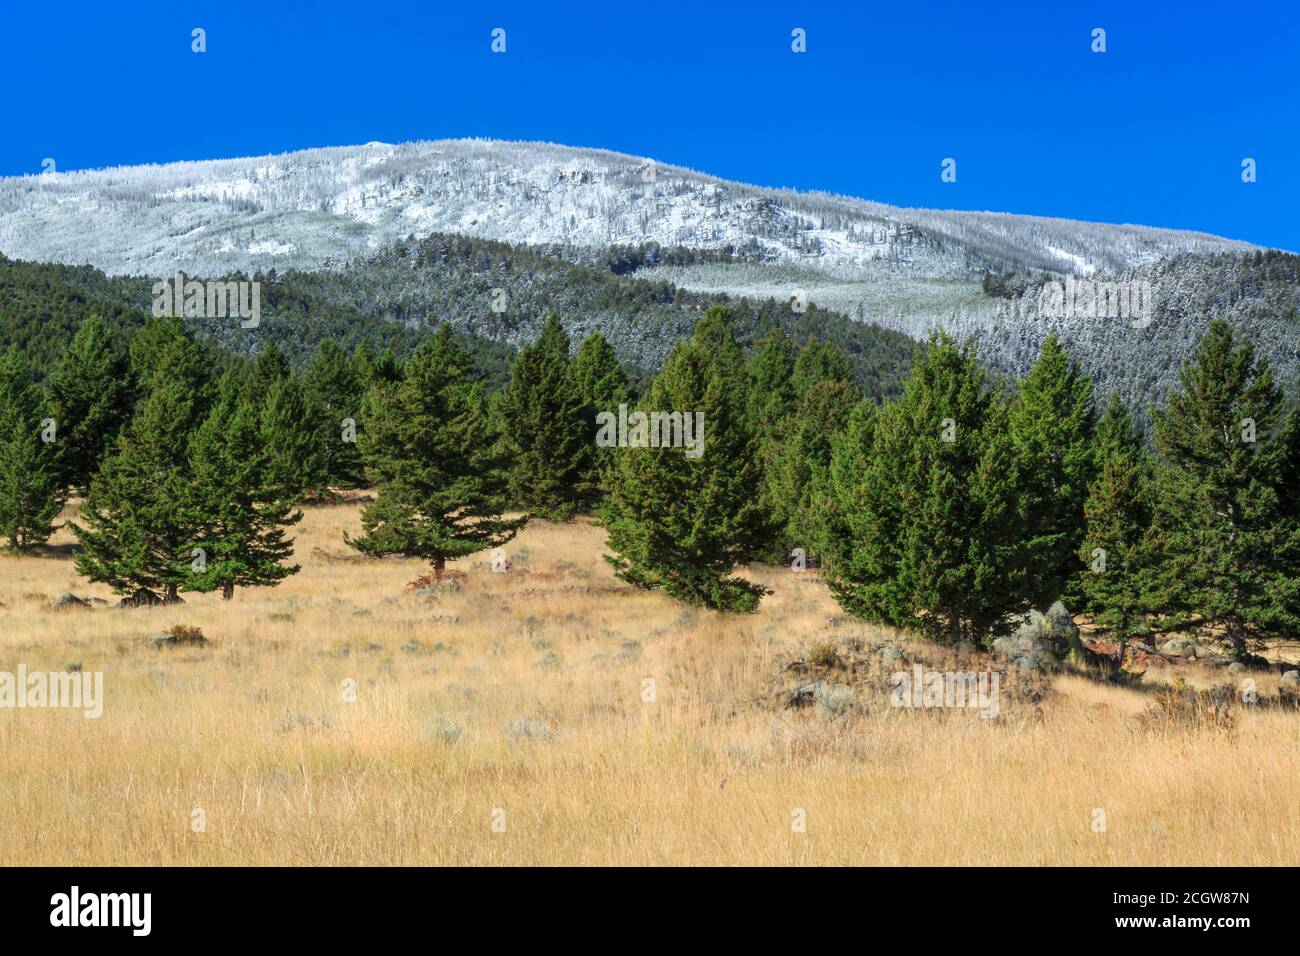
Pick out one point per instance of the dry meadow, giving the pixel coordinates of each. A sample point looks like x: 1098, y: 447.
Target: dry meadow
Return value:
x: 508, y: 718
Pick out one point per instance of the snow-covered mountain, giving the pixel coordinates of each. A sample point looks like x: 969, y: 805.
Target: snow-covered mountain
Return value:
x: 346, y: 216
x: 322, y: 207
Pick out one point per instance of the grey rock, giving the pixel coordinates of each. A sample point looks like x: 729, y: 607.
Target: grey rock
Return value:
x: 805, y: 694
x: 67, y: 601
x: 833, y: 699
x: 889, y: 654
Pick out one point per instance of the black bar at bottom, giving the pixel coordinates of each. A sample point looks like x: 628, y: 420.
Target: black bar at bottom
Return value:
x: 1221, y: 905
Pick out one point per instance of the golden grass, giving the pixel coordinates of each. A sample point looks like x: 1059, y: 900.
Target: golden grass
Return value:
x: 541, y: 670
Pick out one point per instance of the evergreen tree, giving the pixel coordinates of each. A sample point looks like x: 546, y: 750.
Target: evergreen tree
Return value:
x: 598, y: 374
x: 800, y: 472
x: 819, y: 362
x: 547, y: 430
x: 1117, y: 546
x: 935, y: 540
x: 682, y: 523
x: 771, y: 397
x: 364, y: 366
x: 388, y: 368
x: 428, y: 447
x: 135, y: 536
x: 295, y: 460
x: 603, y: 385
x: 163, y: 346
x: 770, y: 403
x: 331, y: 388
x: 236, y: 515
x: 1052, y: 431
x: 834, y: 532
x: 90, y: 400
x: 1229, y: 539
x: 269, y: 369
x: 31, y: 490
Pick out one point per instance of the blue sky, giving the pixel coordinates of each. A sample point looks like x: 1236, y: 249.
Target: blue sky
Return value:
x: 1153, y: 131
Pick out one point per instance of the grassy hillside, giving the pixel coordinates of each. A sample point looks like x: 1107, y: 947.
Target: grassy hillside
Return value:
x: 523, y: 692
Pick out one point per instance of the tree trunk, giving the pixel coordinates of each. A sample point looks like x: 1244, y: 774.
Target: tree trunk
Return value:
x: 227, y: 591
x: 1237, y: 637
x: 439, y: 565
x: 170, y: 596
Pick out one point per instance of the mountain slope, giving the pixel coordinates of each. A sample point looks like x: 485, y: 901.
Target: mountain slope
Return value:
x: 426, y: 232
x: 322, y: 207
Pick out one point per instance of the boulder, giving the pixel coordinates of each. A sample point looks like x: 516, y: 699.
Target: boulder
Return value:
x: 833, y: 699
x: 889, y: 654
x: 805, y: 694
x: 1039, y: 637
x: 67, y: 601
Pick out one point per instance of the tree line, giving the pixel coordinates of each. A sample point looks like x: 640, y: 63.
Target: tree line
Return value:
x: 952, y: 509
x: 189, y: 475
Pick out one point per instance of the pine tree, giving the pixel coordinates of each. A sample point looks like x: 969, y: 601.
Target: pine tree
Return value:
x: 770, y: 403
x: 771, y: 397
x: 269, y: 369
x: 603, y: 384
x: 364, y: 366
x: 819, y: 362
x: 236, y: 516
x: 841, y: 502
x: 935, y: 540
x: 163, y: 346
x: 1051, y: 428
x: 135, y: 536
x: 1117, y: 546
x: 31, y: 490
x: 598, y: 374
x: 682, y: 523
x: 1229, y: 539
x: 388, y: 368
x: 91, y: 397
x: 428, y: 446
x: 799, y: 475
x: 295, y: 461
x: 331, y: 388
x: 548, y: 431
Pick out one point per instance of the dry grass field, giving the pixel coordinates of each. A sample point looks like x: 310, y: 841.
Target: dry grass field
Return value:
x: 502, y: 720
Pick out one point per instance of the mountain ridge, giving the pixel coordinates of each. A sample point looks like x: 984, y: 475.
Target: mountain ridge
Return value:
x: 321, y: 207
